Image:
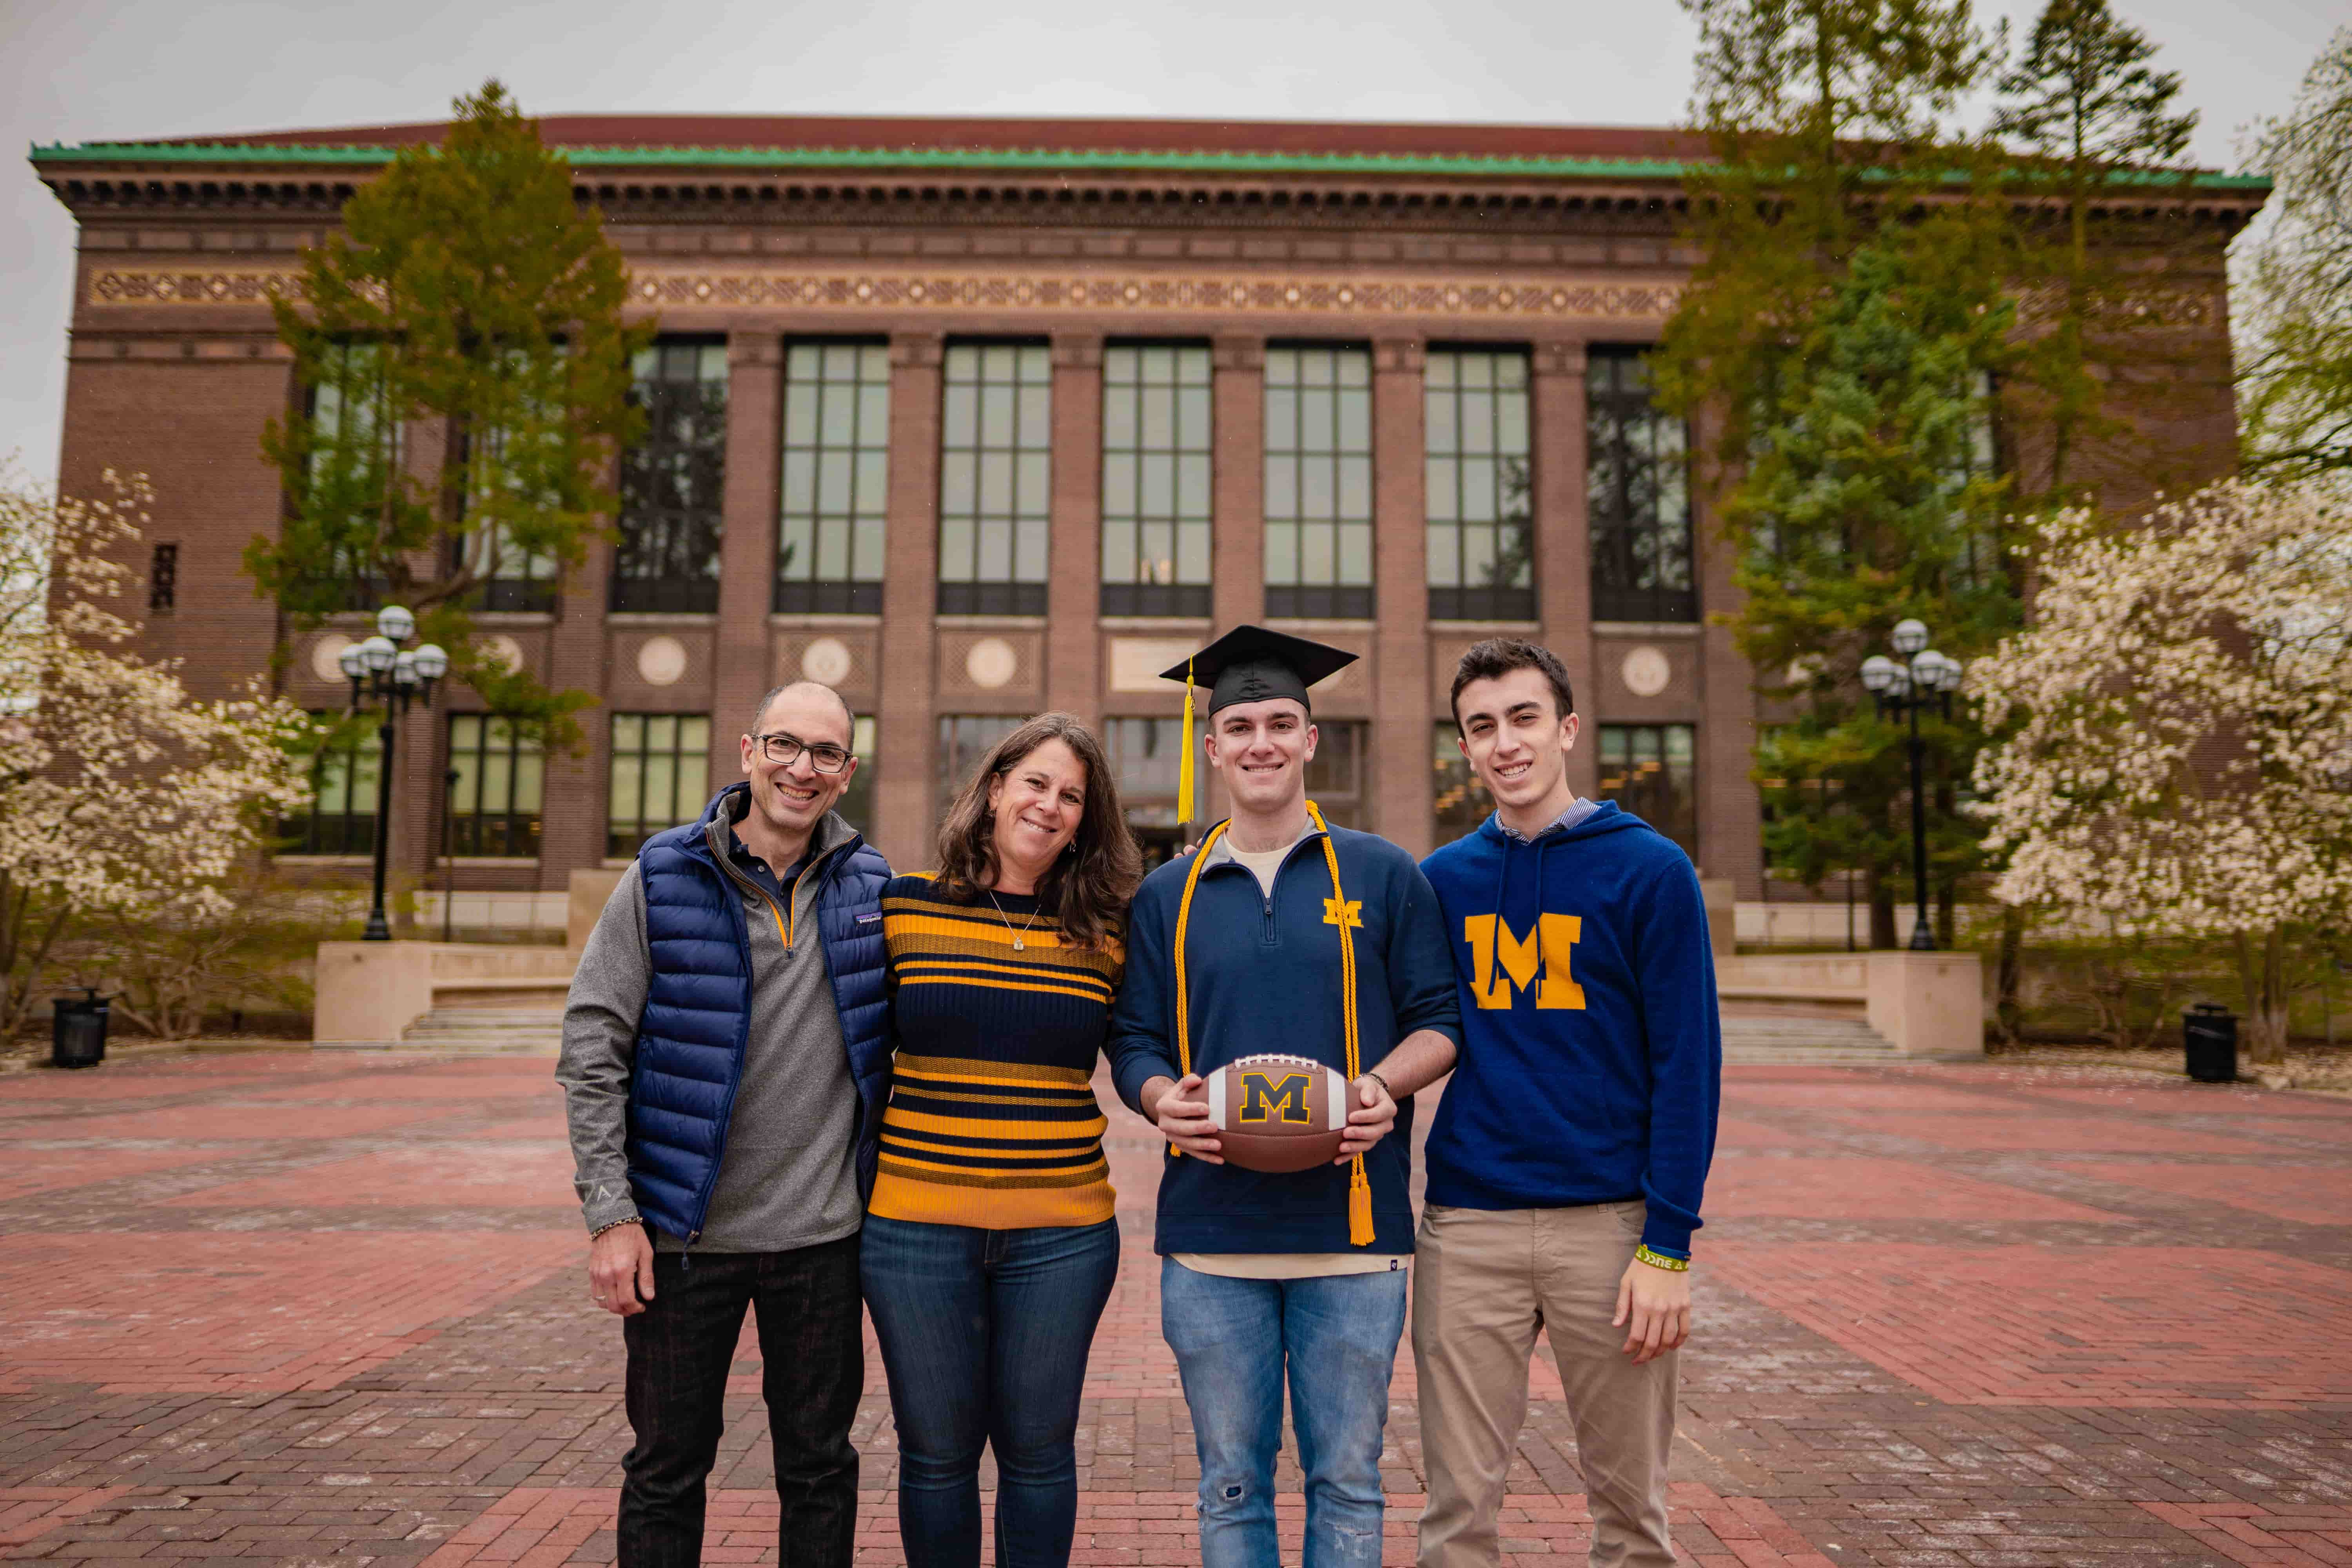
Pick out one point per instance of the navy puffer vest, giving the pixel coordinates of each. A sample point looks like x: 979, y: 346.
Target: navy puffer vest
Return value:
x: 689, y: 1054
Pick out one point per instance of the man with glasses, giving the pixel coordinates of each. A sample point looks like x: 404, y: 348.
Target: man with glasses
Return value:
x: 725, y: 1063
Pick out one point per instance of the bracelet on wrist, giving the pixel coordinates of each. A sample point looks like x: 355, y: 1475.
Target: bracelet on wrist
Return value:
x: 613, y: 1224
x: 1643, y: 1254
x: 1382, y: 1082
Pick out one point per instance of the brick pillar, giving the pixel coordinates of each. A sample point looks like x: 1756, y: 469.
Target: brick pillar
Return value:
x: 1730, y: 810
x: 747, y: 555
x: 1237, y: 538
x: 905, y: 724
x: 1564, y: 538
x: 571, y: 831
x: 412, y: 810
x: 1073, y: 572
x: 1237, y: 533
x: 1400, y: 732
x: 414, y: 818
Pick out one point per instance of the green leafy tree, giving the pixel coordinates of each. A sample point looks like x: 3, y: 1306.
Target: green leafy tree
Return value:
x: 469, y: 374
x: 1835, y: 340
x: 1868, y: 497
x: 2082, y: 111
x: 2296, y: 313
x: 1823, y: 115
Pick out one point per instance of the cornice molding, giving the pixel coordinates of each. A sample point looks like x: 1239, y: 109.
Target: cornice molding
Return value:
x: 672, y: 289
x: 291, y: 156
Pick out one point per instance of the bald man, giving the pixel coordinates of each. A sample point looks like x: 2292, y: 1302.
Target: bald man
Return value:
x: 725, y: 1063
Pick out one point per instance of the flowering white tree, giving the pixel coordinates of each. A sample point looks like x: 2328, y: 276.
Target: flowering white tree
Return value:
x: 120, y: 795
x: 2178, y: 756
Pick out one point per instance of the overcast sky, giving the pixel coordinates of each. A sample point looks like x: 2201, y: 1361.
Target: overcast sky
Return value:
x: 75, y: 70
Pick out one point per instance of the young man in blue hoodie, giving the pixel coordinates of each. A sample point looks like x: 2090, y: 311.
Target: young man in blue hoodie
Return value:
x: 1283, y: 934
x: 1567, y: 1159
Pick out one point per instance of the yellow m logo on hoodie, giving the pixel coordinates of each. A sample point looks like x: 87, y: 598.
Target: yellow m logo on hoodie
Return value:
x: 1502, y: 964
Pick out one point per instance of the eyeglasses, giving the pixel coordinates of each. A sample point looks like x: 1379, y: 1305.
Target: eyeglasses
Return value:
x: 785, y: 750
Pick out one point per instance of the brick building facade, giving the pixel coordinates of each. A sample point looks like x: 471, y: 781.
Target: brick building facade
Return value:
x: 974, y: 418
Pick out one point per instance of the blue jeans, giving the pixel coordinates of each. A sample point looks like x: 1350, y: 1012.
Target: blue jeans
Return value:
x: 1232, y: 1340
x: 984, y: 1334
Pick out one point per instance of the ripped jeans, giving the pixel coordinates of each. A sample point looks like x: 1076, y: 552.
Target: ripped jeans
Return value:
x: 1232, y: 1338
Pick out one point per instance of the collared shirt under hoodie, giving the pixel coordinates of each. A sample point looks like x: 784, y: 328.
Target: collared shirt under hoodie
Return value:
x: 1264, y: 974
x: 1592, y: 1050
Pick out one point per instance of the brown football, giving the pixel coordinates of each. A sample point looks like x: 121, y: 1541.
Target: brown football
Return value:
x: 1278, y: 1113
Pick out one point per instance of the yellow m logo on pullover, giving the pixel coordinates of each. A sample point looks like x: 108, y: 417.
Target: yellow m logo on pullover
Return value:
x: 1502, y: 964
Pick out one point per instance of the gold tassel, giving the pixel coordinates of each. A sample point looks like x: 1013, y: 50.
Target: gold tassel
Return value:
x: 1185, y: 765
x: 1359, y: 1205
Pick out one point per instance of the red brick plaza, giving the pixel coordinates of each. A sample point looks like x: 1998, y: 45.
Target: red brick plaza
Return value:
x: 322, y: 1306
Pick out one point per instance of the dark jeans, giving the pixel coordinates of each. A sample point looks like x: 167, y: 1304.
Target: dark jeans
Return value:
x: 813, y: 1365
x: 984, y: 1334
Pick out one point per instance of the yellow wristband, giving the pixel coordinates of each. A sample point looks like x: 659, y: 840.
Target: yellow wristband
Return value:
x: 1643, y: 1254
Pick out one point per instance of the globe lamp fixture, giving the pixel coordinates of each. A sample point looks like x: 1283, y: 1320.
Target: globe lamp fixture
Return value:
x: 1922, y: 678
x: 389, y: 677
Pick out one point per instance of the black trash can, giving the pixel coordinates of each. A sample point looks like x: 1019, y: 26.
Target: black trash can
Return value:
x: 2209, y: 1032
x: 78, y: 1034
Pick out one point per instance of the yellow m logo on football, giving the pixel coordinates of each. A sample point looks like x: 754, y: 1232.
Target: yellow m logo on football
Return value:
x: 1263, y: 1095
x: 1502, y: 964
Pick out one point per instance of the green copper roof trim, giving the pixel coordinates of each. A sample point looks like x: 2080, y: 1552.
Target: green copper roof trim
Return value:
x: 281, y: 155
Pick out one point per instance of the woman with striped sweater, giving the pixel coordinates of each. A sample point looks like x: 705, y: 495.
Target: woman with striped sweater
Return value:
x: 990, y: 1249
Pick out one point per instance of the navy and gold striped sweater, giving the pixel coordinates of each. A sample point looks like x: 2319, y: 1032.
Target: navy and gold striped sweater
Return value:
x: 993, y: 1122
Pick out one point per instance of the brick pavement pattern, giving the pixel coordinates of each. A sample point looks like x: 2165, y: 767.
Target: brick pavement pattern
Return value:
x: 326, y: 1307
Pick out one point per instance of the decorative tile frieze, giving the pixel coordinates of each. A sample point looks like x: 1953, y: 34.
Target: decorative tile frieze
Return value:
x: 175, y: 287
x: 680, y: 288
x: 1526, y: 297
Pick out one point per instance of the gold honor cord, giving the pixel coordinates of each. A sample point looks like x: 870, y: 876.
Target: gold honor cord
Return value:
x: 1360, y: 1183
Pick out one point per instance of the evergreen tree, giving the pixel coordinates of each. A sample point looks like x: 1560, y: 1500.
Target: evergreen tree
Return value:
x: 468, y: 374
x: 1868, y: 497
x: 2087, y: 112
x: 1836, y: 337
x: 1823, y: 115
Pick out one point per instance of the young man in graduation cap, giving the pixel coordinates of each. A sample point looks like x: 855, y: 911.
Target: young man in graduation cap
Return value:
x: 1286, y: 935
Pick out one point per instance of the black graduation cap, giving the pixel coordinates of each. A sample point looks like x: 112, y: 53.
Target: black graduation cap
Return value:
x: 1251, y: 664
x: 1248, y: 664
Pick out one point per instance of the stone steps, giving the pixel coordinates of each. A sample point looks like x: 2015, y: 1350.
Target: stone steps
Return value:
x: 1748, y: 1040
x: 461, y: 1031
x: 1783, y: 1040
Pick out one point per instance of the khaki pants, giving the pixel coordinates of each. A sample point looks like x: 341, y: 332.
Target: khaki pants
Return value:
x: 1483, y: 1281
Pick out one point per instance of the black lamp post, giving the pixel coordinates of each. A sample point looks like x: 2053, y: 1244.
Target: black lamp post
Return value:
x: 386, y: 675
x: 1928, y: 680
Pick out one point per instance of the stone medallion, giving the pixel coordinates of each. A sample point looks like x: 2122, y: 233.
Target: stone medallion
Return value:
x: 661, y: 661
x: 1646, y: 670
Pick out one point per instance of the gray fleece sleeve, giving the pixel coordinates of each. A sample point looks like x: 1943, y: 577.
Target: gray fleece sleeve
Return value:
x: 600, y: 1044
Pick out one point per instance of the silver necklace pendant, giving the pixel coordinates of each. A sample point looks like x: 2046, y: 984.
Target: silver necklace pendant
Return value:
x: 1018, y: 945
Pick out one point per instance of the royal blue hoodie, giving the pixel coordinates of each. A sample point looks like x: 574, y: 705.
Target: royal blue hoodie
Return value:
x: 1591, y: 1049
x: 1264, y: 975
